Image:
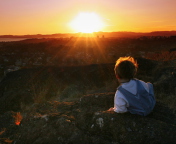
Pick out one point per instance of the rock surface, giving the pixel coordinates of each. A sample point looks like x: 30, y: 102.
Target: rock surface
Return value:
x: 88, y: 121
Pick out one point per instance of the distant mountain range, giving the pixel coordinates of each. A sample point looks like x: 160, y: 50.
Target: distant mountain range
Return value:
x: 96, y: 34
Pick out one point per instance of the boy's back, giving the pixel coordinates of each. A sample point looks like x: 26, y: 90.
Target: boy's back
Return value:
x: 138, y: 95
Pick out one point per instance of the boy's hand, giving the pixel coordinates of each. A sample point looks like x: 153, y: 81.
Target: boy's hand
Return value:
x: 111, y: 109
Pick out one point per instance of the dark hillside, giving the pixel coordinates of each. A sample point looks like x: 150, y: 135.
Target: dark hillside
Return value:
x: 44, y: 83
x: 69, y: 105
x: 39, y: 84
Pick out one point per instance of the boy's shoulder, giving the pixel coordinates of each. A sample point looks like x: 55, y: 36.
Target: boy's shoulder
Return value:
x: 145, y: 84
x: 132, y: 85
x: 129, y: 86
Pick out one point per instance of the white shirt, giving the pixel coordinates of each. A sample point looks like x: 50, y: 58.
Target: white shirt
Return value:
x: 120, y: 102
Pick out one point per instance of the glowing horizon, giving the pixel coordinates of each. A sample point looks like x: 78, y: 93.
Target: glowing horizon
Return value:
x: 19, y: 17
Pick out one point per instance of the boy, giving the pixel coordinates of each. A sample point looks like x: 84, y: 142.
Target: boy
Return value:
x: 134, y: 96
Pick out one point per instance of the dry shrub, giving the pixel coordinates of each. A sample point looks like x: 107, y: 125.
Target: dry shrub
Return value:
x: 39, y: 93
x: 18, y: 117
x: 5, y: 141
x: 3, y: 130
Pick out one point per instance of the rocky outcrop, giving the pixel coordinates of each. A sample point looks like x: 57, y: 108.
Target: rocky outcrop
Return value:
x: 88, y: 121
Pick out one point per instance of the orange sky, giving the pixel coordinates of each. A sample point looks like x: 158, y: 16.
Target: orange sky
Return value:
x: 19, y: 17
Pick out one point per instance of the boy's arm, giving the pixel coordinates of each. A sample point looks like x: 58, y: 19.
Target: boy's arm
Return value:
x: 120, y: 105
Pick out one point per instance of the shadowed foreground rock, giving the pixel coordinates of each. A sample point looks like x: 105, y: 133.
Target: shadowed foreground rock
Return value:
x: 88, y: 121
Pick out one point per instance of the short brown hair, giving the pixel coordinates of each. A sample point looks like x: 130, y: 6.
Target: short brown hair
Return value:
x: 126, y: 67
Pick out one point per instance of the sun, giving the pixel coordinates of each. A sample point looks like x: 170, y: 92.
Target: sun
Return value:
x: 87, y: 22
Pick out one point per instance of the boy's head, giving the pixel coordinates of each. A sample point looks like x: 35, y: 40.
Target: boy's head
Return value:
x: 125, y: 68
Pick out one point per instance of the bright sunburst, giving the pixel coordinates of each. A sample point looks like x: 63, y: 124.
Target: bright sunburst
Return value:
x: 87, y: 22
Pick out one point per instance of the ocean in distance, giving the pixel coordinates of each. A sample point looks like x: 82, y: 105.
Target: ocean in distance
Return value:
x: 11, y: 39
